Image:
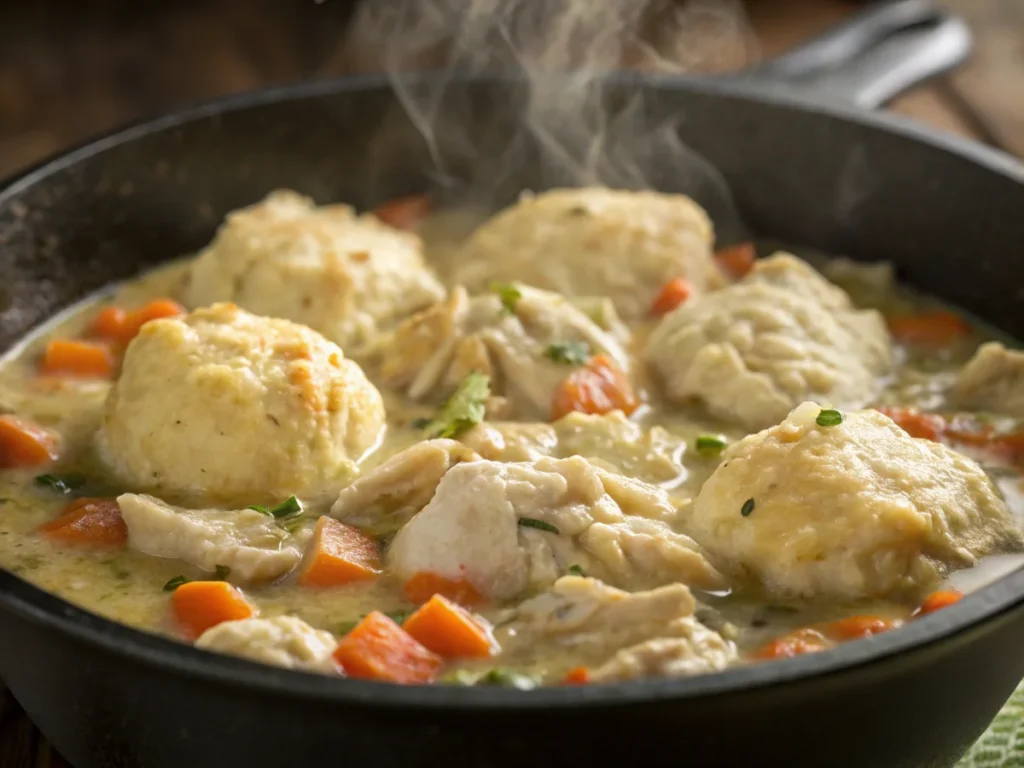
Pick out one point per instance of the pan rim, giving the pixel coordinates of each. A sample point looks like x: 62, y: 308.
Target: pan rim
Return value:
x: 38, y: 606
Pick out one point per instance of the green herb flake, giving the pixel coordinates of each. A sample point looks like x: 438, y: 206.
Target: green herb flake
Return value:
x: 709, y: 446
x: 540, y: 525
x: 221, y: 573
x: 287, y: 508
x: 64, y: 484
x: 260, y: 508
x: 747, y: 508
x: 576, y: 570
x: 398, y: 617
x: 509, y: 294
x: 568, y: 352
x: 829, y: 417
x: 458, y: 677
x: 174, y: 583
x: 506, y: 678
x: 465, y: 408
x: 421, y: 423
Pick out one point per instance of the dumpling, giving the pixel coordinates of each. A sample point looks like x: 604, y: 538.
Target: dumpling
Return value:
x: 526, y: 340
x: 224, y: 404
x: 253, y: 545
x: 284, y: 641
x: 343, y: 275
x: 617, y: 635
x: 501, y: 528
x: 992, y: 380
x: 753, y: 351
x: 594, y: 242
x: 857, y: 510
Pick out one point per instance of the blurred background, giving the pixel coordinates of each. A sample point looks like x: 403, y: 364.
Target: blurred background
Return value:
x: 70, y: 71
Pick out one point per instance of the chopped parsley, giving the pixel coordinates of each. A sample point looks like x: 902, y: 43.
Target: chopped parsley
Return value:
x: 509, y: 296
x: 540, y: 525
x: 421, y: 423
x: 709, y: 446
x: 221, y: 573
x: 464, y: 409
x: 174, y: 583
x: 569, y: 352
x: 287, y: 508
x: 576, y: 570
x: 747, y: 508
x: 64, y: 484
x: 506, y: 678
x: 830, y: 417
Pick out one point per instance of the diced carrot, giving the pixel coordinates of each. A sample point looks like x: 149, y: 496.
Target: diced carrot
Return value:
x: 423, y: 586
x: 88, y: 522
x: 933, y: 329
x: 199, y: 605
x: 598, y: 387
x: 379, y: 649
x: 64, y: 357
x: 672, y: 294
x: 404, y: 212
x: 855, y: 627
x: 576, y: 676
x: 915, y: 423
x: 154, y: 310
x: 736, y: 260
x: 338, y: 554
x: 449, y: 631
x: 794, y: 644
x: 938, y: 600
x: 26, y: 444
x: 109, y: 323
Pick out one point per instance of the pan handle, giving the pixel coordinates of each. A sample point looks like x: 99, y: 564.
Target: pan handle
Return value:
x: 872, y: 57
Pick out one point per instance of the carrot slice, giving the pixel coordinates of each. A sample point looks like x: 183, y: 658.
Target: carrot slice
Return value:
x: 673, y: 294
x: 794, y: 644
x: 77, y: 358
x: 855, y: 627
x: 576, y: 676
x: 933, y: 329
x: 338, y: 554
x: 199, y: 605
x: 88, y: 522
x: 26, y: 444
x: 423, y: 586
x: 404, y: 212
x: 598, y: 387
x: 915, y: 423
x: 109, y: 323
x: 154, y: 310
x: 379, y: 649
x: 449, y: 631
x: 736, y: 260
x: 936, y: 601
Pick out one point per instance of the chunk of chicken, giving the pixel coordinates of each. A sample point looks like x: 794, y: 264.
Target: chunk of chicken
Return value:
x: 753, y: 351
x: 512, y: 342
x: 992, y: 380
x: 251, y: 544
x: 388, y: 495
x: 283, y: 641
x: 505, y: 527
x: 857, y: 510
x: 619, y: 635
x: 594, y: 242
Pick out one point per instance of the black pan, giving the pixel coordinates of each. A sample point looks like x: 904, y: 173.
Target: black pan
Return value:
x: 947, y: 212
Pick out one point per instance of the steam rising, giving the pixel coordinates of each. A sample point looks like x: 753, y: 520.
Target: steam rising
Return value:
x: 567, y: 116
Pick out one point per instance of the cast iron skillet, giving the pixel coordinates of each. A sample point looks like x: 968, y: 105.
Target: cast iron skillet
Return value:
x: 834, y: 177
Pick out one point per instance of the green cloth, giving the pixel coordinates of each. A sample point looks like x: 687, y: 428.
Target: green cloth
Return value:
x: 1002, y: 745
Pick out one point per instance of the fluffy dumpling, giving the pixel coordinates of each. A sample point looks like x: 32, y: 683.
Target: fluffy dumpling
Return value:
x: 250, y: 543
x: 224, y: 404
x: 856, y: 510
x: 992, y: 380
x: 501, y: 528
x: 617, y: 635
x: 753, y: 351
x: 343, y: 275
x: 594, y: 242
x: 284, y: 641
x: 526, y: 340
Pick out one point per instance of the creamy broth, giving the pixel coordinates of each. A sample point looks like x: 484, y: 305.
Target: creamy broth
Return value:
x: 127, y: 586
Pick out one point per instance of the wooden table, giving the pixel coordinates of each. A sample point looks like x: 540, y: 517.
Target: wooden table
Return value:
x: 66, y: 79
